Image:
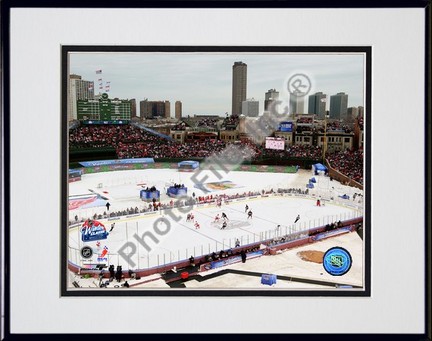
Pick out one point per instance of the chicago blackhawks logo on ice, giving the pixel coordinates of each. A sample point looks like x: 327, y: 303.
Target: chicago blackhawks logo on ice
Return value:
x: 93, y: 230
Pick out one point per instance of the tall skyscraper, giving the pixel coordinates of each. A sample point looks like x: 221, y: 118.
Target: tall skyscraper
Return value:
x: 79, y: 89
x: 133, y: 107
x: 351, y: 114
x: 270, y: 96
x: 167, y: 109
x: 296, y: 105
x: 317, y: 104
x: 178, y: 110
x: 239, y: 85
x: 146, y: 109
x: 250, y: 108
x: 338, y: 105
x: 151, y: 109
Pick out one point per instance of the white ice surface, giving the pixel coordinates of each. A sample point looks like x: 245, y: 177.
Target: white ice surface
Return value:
x: 131, y: 245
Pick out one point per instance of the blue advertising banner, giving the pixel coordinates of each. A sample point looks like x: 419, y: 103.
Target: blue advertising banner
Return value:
x: 177, y: 191
x: 149, y: 195
x: 116, y: 162
x: 286, y: 126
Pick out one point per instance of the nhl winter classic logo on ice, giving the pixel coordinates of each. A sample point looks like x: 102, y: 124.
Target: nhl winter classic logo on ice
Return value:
x: 93, y: 230
x: 337, y: 261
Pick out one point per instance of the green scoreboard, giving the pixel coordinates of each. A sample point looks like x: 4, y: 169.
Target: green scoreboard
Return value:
x: 104, y: 109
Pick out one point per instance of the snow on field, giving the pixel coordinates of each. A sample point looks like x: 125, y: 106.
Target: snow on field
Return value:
x: 144, y: 241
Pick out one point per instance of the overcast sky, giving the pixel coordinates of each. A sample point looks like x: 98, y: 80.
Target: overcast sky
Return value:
x: 203, y: 81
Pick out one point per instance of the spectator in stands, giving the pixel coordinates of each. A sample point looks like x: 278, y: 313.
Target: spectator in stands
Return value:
x: 132, y: 274
x: 112, y: 272
x: 119, y: 273
x: 192, y: 261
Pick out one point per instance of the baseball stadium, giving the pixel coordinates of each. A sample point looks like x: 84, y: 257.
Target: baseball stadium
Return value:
x: 201, y: 203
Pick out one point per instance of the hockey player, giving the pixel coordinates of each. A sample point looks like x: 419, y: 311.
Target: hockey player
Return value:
x: 224, y: 216
x: 246, y: 208
x: 188, y: 217
x: 224, y: 225
x: 197, y: 225
x: 112, y: 227
x: 297, y: 218
x: 217, y: 218
x: 250, y: 214
x: 318, y: 202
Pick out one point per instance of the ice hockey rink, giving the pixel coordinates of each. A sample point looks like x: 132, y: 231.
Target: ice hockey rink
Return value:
x: 141, y: 241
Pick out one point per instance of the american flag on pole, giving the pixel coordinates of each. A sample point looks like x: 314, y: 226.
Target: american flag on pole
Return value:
x: 98, y: 71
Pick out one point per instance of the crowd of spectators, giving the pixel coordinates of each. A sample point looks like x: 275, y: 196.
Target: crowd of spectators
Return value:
x: 129, y: 141
x: 293, y: 191
x: 105, y: 135
x: 305, y: 120
x: 297, y: 150
x: 132, y: 142
x: 349, y: 163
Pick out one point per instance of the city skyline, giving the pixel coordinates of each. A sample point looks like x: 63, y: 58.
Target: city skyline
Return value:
x: 203, y: 81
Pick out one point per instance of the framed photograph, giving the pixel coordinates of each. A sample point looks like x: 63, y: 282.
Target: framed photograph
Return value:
x: 218, y: 197
x: 166, y: 157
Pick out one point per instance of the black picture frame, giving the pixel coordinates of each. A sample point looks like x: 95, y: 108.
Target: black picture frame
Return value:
x: 6, y: 8
x: 366, y: 50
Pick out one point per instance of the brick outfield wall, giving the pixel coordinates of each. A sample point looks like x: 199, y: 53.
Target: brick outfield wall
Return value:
x: 271, y: 249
